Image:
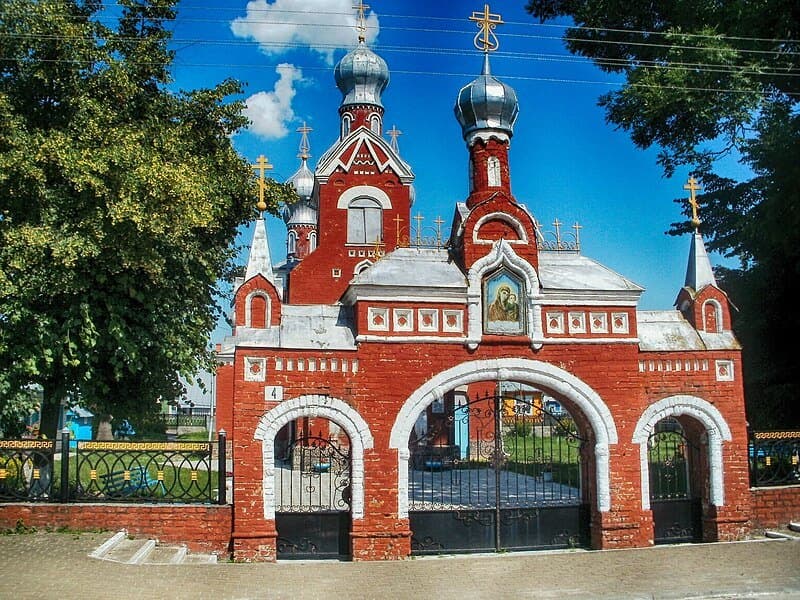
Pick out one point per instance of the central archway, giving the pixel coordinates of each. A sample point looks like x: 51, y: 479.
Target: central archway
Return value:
x: 531, y: 372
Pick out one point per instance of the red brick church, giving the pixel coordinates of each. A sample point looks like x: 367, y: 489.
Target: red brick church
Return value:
x: 388, y: 394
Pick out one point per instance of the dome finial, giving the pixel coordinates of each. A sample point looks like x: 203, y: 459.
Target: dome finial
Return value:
x: 485, y: 39
x: 692, y: 186
x: 305, y: 146
x: 262, y: 164
x: 361, y: 27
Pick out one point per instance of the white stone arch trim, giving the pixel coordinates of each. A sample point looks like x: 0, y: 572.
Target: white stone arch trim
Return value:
x: 506, y: 218
x: 717, y: 313
x: 315, y: 405
x: 532, y: 372
x: 248, y: 308
x: 502, y: 254
x: 364, y: 264
x: 716, y: 428
x: 360, y: 191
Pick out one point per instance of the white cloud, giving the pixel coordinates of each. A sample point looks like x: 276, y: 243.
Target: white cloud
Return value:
x: 271, y: 112
x: 322, y: 25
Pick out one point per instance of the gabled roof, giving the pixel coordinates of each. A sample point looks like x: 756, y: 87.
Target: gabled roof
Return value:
x: 345, y: 152
x: 567, y: 271
x: 669, y: 331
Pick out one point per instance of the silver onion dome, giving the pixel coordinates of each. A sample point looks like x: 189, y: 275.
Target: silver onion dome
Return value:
x: 486, y: 103
x: 302, y: 181
x: 361, y: 76
x: 300, y: 213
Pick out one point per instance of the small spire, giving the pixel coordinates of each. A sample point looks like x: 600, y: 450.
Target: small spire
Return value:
x: 361, y: 26
x: 699, y: 273
x: 486, y: 21
x: 259, y: 262
x: 394, y: 133
x: 305, y: 146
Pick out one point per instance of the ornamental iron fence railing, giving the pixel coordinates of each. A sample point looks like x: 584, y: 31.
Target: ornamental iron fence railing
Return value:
x: 141, y: 472
x: 774, y: 458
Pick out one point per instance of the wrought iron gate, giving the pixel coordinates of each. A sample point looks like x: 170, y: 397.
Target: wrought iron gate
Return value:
x: 676, y: 506
x: 312, y: 489
x: 495, y: 473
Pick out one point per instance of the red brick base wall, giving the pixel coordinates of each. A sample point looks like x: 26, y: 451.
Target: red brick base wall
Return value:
x: 202, y: 528
x: 774, y: 507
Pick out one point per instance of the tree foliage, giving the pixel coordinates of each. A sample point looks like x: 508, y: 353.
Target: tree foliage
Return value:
x: 119, y: 203
x: 704, y: 81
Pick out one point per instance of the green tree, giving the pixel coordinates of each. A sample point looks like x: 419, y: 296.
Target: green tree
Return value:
x: 119, y: 204
x: 704, y: 81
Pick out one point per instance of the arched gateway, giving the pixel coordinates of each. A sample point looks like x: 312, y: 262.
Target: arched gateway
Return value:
x: 490, y: 459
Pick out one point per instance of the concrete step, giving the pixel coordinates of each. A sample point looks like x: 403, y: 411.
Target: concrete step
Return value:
x: 122, y: 548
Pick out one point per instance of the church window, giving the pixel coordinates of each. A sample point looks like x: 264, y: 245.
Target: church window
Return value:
x: 364, y: 221
x: 256, y: 314
x: 312, y: 241
x: 346, y: 120
x: 503, y: 303
x: 712, y: 320
x: 291, y: 243
x: 375, y: 124
x: 493, y: 171
x: 471, y: 175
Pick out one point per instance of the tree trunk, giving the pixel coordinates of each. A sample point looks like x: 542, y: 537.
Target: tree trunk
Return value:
x: 104, y: 431
x: 50, y: 414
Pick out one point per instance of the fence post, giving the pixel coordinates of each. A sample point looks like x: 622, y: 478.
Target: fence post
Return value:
x: 65, y: 464
x: 222, y: 468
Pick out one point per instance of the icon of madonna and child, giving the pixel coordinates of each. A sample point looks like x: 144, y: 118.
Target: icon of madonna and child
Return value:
x: 501, y: 301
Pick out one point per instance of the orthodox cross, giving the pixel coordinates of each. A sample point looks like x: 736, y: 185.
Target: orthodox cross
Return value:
x: 439, y: 222
x: 577, y: 229
x: 397, y: 220
x: 693, y: 187
x: 305, y: 147
x: 557, y: 224
x: 262, y: 164
x: 419, y: 219
x: 394, y: 133
x: 485, y: 39
x: 361, y: 27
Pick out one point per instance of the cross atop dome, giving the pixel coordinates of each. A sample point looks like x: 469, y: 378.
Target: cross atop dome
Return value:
x: 361, y: 26
x: 305, y: 146
x: 692, y: 186
x: 485, y: 39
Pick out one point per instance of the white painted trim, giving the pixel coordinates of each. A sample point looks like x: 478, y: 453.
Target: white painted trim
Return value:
x: 717, y: 314
x: 506, y: 218
x: 532, y: 372
x: 405, y: 339
x: 502, y: 254
x: 314, y: 405
x: 248, y: 315
x: 360, y: 191
x: 571, y: 340
x: 716, y: 428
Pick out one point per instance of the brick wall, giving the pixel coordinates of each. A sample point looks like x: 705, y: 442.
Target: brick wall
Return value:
x: 202, y: 528
x: 775, y: 506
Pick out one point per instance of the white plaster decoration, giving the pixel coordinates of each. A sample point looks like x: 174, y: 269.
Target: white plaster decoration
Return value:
x: 428, y: 319
x: 453, y: 321
x: 315, y: 406
x: 724, y: 370
x: 279, y: 364
x: 248, y: 308
x: 598, y: 322
x: 361, y: 191
x: 486, y: 134
x: 403, y: 319
x: 532, y: 372
x: 502, y: 254
x: 377, y: 319
x: 716, y: 428
x: 362, y: 266
x: 577, y: 322
x: 555, y: 322
x: 619, y: 322
x: 506, y: 218
x: 255, y: 369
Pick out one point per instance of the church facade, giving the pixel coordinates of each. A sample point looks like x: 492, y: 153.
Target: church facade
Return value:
x: 387, y: 395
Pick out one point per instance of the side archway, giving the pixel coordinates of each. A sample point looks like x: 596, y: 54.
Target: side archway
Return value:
x: 715, y: 427
x: 526, y: 371
x: 314, y: 405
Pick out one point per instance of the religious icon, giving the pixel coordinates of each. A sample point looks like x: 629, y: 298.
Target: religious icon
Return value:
x: 502, y: 312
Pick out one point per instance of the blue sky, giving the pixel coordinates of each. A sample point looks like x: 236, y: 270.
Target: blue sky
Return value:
x: 566, y: 162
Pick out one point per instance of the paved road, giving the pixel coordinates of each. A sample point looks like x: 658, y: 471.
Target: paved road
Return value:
x: 57, y: 566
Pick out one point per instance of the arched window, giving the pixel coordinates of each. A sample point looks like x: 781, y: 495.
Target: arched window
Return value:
x: 364, y: 221
x: 493, y: 171
x: 312, y: 241
x: 375, y: 124
x: 258, y: 312
x: 471, y: 174
x: 346, y: 120
x: 712, y: 317
x: 291, y: 243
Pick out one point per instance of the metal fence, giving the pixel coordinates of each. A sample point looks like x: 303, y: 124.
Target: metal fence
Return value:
x: 154, y: 472
x: 774, y: 458
x: 185, y: 420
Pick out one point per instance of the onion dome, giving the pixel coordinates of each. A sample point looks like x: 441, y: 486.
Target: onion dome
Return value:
x: 486, y: 103
x: 361, y: 76
x: 300, y: 213
x: 302, y: 181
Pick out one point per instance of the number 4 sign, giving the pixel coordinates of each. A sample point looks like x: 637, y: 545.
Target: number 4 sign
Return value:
x: 273, y: 393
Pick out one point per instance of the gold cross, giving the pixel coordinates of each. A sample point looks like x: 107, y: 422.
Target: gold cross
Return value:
x: 397, y: 220
x: 439, y: 222
x: 362, y: 22
x: 557, y: 224
x: 577, y: 229
x: 485, y: 39
x: 262, y: 164
x: 419, y: 219
x: 692, y: 186
x: 305, y: 147
x: 394, y: 133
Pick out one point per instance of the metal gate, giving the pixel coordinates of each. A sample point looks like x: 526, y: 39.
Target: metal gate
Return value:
x: 495, y: 473
x: 312, y: 488
x: 676, y: 505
